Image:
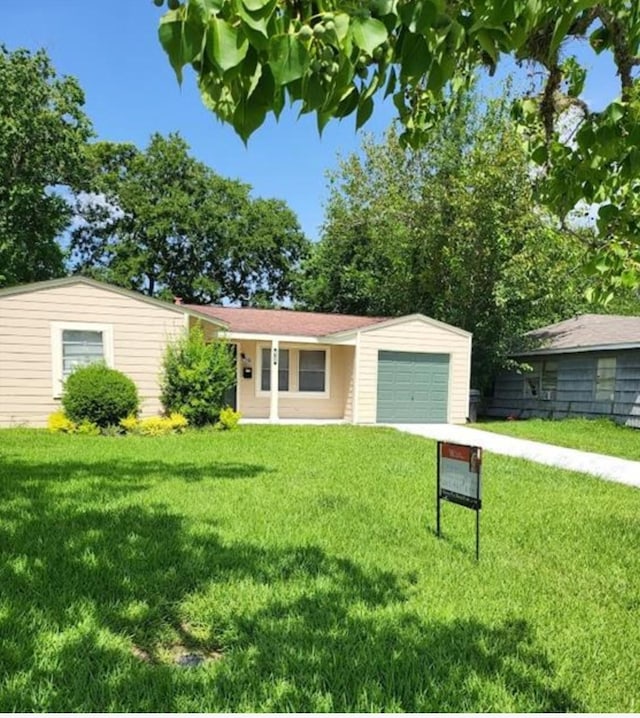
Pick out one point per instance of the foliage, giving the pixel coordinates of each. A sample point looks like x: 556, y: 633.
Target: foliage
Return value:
x: 99, y: 394
x: 601, y: 436
x: 310, y: 581
x: 229, y: 419
x: 335, y: 59
x: 175, y: 423
x: 450, y: 231
x: 88, y: 428
x: 163, y: 223
x: 59, y: 422
x: 42, y: 134
x: 196, y: 375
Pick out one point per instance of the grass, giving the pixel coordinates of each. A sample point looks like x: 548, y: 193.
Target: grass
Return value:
x: 303, y: 561
x: 601, y: 436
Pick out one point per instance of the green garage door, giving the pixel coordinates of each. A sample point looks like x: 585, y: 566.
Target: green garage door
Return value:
x: 412, y: 387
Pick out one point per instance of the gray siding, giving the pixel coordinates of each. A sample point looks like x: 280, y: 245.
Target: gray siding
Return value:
x: 575, y: 393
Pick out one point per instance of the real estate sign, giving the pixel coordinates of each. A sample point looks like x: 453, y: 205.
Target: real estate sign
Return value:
x: 459, y: 474
x: 459, y: 480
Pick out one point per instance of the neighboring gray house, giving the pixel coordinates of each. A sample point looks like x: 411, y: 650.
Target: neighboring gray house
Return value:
x: 586, y: 366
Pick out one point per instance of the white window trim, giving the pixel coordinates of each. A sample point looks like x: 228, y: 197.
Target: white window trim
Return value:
x: 294, y: 363
x: 56, y: 348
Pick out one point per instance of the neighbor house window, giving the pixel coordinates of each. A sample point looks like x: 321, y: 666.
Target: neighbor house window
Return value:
x: 542, y: 382
x: 283, y: 370
x: 549, y: 380
x: 532, y: 383
x: 312, y: 366
x: 74, y: 345
x: 605, y: 379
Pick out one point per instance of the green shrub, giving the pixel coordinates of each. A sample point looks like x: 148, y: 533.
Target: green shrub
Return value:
x: 229, y: 419
x: 100, y: 395
x: 196, y: 376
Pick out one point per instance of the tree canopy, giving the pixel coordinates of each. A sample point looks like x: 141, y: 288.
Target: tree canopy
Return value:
x: 452, y: 231
x: 336, y: 58
x: 163, y: 223
x: 43, y: 130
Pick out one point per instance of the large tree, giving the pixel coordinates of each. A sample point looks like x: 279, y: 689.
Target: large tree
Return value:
x: 163, y: 223
x: 42, y: 134
x: 451, y: 231
x: 336, y: 58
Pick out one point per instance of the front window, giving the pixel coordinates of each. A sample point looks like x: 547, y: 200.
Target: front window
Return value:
x: 79, y: 348
x: 312, y: 370
x: 283, y: 370
x: 605, y: 379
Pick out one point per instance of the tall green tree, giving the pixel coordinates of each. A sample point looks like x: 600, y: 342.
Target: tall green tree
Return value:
x: 43, y: 131
x: 165, y: 224
x: 336, y: 59
x: 451, y: 231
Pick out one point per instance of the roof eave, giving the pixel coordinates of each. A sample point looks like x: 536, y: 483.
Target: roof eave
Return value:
x: 579, y: 349
x: 79, y: 279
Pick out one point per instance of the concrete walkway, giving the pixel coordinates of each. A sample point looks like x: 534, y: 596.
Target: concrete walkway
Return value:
x: 606, y: 467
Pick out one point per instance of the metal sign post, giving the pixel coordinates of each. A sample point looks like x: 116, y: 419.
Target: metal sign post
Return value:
x: 459, y: 481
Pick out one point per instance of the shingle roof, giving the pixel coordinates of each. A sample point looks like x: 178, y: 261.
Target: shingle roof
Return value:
x: 584, y: 332
x: 285, y: 321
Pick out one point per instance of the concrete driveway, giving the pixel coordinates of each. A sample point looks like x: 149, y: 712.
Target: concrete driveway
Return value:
x: 606, y: 467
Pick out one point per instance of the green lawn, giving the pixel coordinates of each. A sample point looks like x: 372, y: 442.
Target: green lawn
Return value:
x: 303, y: 561
x: 599, y: 435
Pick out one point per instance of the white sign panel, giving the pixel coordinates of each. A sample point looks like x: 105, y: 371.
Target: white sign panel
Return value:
x: 460, y: 473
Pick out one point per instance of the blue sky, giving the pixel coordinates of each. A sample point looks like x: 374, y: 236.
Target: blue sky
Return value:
x: 131, y: 91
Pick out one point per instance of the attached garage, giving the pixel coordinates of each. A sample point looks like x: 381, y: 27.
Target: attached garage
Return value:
x: 413, y: 387
x: 412, y: 369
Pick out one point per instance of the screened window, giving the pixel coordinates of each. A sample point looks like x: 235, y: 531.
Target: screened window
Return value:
x: 549, y: 379
x: 532, y: 383
x: 542, y: 382
x: 605, y: 379
x: 283, y: 370
x: 79, y: 348
x: 312, y: 370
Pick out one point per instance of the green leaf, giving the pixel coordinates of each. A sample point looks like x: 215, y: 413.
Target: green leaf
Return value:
x: 249, y: 115
x: 368, y: 33
x: 418, y: 16
x: 391, y: 84
x: 225, y: 45
x: 347, y: 104
x: 182, y: 41
x: 487, y: 44
x: 342, y: 21
x: 255, y: 5
x: 365, y: 110
x: 289, y: 58
x: 608, y: 212
x: 416, y: 57
x: 257, y: 24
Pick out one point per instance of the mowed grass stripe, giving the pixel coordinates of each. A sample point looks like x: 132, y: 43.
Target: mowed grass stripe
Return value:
x: 600, y: 436
x: 303, y: 561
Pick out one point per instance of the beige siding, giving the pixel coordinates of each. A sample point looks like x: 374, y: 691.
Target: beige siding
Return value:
x: 140, y: 332
x: 255, y: 406
x: 414, y: 335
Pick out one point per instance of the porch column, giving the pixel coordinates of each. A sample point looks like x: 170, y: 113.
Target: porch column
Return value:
x: 275, y: 360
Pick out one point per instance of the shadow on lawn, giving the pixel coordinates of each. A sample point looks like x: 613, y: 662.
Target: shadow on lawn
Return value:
x: 122, y: 476
x: 82, y: 583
